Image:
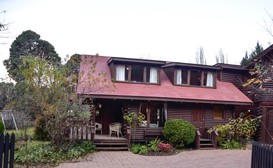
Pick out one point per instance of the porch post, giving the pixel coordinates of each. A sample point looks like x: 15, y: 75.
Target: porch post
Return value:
x: 148, y: 111
x: 93, y: 120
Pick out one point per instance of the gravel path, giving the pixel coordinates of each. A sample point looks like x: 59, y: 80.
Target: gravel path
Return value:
x: 186, y: 159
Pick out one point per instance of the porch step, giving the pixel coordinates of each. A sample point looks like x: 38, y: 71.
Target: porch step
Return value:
x: 111, y: 144
x: 206, y: 144
x: 112, y: 148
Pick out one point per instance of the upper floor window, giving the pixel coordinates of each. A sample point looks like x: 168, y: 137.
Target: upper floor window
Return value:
x: 137, y: 73
x: 195, y: 78
x: 182, y: 77
x: 151, y: 75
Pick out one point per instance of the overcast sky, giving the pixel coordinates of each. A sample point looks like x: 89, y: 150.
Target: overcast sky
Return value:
x: 169, y: 30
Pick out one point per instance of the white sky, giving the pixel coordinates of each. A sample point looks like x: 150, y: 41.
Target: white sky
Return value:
x: 169, y: 30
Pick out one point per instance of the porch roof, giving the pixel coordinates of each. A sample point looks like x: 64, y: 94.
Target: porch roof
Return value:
x: 225, y: 93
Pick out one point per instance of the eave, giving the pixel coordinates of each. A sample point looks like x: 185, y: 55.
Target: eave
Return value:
x: 188, y: 65
x: 132, y: 60
x: 114, y: 97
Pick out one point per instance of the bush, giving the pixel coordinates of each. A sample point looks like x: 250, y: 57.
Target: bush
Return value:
x: 179, y: 132
x: 36, y: 152
x: 40, y: 132
x: 139, y: 149
x: 165, y: 147
x: 2, y: 128
x: 153, y: 144
x: 238, y: 130
x: 231, y: 145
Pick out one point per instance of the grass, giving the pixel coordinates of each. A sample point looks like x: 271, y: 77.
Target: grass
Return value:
x: 22, y: 134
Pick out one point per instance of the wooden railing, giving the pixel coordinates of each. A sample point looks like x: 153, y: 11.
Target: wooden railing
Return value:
x: 7, y: 144
x: 197, y: 138
x: 81, y: 130
x: 128, y: 135
x: 213, y: 136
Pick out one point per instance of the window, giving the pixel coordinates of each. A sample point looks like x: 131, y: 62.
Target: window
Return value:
x: 137, y: 73
x: 218, y: 113
x: 122, y: 73
x: 154, y: 112
x: 151, y: 75
x: 208, y: 79
x: 182, y: 76
x: 195, y: 78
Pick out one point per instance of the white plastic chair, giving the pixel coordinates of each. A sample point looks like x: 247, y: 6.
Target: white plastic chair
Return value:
x: 98, y: 127
x: 115, y: 128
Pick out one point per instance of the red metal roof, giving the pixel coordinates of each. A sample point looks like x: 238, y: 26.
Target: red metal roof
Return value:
x: 225, y: 93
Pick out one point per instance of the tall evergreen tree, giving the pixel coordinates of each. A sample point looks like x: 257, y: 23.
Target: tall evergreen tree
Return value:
x: 244, y: 59
x: 29, y: 44
x: 258, y: 49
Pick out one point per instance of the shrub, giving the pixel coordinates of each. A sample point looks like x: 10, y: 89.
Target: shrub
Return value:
x: 179, y: 132
x: 165, y: 147
x: 139, y: 149
x: 231, y: 145
x: 34, y: 152
x: 2, y: 128
x: 40, y: 132
x: 238, y: 130
x: 153, y: 144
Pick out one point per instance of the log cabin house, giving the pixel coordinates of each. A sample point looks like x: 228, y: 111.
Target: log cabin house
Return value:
x: 263, y: 98
x: 201, y: 94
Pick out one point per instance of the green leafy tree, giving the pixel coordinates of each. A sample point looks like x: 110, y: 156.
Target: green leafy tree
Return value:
x: 6, y: 94
x: 29, y: 44
x: 49, y: 91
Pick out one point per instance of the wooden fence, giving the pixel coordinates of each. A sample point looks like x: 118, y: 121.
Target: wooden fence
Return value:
x: 262, y: 156
x: 7, y: 143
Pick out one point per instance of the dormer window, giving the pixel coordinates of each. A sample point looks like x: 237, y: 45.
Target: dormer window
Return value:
x: 122, y: 73
x: 151, y: 75
x: 182, y: 77
x: 195, y: 78
x: 137, y: 74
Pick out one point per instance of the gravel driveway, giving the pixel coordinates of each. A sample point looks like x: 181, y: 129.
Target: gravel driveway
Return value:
x: 186, y: 159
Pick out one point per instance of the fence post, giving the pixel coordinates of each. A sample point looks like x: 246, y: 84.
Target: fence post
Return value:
x: 1, y: 148
x: 6, y: 150
x: 12, y: 146
x: 262, y: 155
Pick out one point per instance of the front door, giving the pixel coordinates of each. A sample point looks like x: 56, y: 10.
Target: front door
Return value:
x: 198, y: 120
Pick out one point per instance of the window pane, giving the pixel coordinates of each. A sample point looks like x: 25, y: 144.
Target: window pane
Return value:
x: 208, y: 79
x: 218, y: 113
x: 151, y: 75
x: 178, y: 77
x: 195, y: 78
x: 137, y: 73
x: 181, y: 77
x: 184, y: 76
x: 120, y: 73
x: 127, y: 68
